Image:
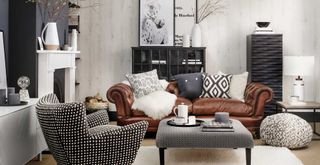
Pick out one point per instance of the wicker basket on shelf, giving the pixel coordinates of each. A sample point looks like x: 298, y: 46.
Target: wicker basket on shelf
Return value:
x: 94, y: 103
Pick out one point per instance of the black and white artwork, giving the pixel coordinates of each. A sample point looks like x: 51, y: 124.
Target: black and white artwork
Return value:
x: 184, y: 19
x: 3, y: 74
x: 156, y: 23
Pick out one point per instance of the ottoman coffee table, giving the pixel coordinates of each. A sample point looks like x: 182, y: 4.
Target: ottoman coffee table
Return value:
x: 193, y: 137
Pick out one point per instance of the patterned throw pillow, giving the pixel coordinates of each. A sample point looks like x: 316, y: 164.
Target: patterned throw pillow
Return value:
x: 216, y: 86
x: 144, y: 83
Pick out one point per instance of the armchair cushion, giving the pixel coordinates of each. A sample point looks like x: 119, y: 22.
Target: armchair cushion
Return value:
x: 101, y: 128
x: 98, y: 118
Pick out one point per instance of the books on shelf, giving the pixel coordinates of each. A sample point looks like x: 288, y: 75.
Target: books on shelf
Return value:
x: 191, y: 61
x: 214, y: 126
x: 159, y: 62
x: 266, y: 30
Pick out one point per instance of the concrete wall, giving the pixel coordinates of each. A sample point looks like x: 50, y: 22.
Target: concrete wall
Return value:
x: 110, y: 30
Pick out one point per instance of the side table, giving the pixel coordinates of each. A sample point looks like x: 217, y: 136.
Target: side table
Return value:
x: 301, y: 105
x: 21, y: 137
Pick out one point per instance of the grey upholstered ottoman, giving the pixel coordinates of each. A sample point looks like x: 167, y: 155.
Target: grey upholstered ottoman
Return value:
x: 192, y: 137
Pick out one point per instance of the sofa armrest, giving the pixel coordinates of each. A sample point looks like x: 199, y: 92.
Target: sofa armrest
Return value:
x: 122, y: 96
x: 257, y: 95
x: 173, y: 88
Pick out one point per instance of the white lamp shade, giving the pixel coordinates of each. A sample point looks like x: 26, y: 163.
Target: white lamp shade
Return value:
x: 298, y: 65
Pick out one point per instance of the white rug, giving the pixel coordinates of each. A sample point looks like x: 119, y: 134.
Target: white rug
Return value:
x: 261, y: 155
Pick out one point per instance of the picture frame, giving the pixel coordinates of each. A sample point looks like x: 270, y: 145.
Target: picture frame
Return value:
x: 185, y: 18
x: 3, y: 70
x: 156, y: 22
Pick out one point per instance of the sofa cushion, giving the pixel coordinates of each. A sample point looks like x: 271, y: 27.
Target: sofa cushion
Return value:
x: 216, y: 86
x: 190, y: 85
x: 237, y: 85
x: 208, y: 106
x: 144, y: 83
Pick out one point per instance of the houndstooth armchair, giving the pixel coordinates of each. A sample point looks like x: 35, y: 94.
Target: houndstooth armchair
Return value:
x: 76, y: 138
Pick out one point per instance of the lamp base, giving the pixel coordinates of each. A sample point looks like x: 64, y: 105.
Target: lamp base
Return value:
x: 298, y: 89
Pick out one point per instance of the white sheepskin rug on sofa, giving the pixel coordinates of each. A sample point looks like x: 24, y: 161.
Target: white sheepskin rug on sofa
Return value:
x: 156, y: 105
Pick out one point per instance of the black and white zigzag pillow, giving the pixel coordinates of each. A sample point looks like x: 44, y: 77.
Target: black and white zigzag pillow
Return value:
x: 216, y: 86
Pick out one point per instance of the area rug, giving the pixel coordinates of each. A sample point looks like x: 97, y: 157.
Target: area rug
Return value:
x: 261, y: 155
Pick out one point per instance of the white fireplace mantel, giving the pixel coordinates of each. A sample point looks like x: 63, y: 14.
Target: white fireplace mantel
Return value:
x: 48, y: 62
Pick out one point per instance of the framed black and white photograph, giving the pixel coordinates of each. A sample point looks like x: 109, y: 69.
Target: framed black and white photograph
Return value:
x: 185, y: 16
x: 3, y: 74
x: 156, y: 23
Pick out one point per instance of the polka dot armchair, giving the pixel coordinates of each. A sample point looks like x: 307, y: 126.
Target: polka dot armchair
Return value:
x: 76, y: 138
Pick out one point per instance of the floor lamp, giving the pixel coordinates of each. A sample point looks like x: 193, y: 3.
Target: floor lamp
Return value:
x: 298, y: 66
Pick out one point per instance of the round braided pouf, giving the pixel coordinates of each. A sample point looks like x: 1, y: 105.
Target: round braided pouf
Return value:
x: 286, y: 130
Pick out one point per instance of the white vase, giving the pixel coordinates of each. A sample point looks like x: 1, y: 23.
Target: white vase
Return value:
x: 186, y: 40
x: 196, y: 36
x: 51, y: 41
x: 204, y: 33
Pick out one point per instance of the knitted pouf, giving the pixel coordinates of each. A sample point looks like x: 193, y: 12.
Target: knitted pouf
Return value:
x: 286, y: 130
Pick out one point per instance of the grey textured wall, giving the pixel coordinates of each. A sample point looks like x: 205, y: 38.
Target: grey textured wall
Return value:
x: 109, y: 30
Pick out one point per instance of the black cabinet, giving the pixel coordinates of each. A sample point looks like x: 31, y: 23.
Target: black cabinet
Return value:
x: 169, y: 60
x: 264, y: 63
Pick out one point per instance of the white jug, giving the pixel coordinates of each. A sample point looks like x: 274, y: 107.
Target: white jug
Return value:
x: 52, y: 38
x: 182, y: 112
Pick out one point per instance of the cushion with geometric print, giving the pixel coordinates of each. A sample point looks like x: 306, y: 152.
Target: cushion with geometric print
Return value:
x: 144, y: 83
x: 216, y: 86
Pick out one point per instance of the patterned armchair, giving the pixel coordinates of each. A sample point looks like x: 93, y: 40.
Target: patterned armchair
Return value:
x: 76, y: 138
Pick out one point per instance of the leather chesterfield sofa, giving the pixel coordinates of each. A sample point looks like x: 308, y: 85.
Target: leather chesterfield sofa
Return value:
x: 250, y: 112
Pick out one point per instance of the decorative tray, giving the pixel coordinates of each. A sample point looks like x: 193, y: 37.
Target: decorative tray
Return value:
x: 172, y: 123
x: 21, y: 103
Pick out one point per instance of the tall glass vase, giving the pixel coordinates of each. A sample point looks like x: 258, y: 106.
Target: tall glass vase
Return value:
x: 196, y: 36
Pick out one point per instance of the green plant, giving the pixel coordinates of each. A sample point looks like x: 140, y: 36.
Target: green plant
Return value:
x: 208, y: 8
x: 52, y: 10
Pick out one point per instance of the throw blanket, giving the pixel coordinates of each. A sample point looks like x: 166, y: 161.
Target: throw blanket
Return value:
x: 156, y: 105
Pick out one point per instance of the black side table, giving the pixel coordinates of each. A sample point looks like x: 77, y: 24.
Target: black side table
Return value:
x: 301, y: 105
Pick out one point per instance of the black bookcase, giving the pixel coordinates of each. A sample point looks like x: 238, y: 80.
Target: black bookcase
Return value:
x: 168, y: 60
x: 264, y: 63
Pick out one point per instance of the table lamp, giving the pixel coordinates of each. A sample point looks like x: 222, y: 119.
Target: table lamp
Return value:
x: 298, y: 66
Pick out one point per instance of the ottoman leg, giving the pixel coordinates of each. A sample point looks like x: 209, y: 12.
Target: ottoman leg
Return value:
x: 161, y: 154
x: 248, y: 156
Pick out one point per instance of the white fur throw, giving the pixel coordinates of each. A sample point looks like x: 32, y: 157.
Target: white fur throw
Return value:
x: 155, y: 105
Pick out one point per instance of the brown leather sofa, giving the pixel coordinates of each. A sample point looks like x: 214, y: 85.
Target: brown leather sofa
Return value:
x: 250, y: 112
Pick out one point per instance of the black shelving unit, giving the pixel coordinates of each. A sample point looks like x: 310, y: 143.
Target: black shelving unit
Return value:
x: 168, y: 60
x: 264, y: 64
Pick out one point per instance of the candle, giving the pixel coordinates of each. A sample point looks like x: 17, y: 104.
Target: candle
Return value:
x: 13, y: 98
x: 222, y: 117
x: 192, y: 120
x: 3, y: 96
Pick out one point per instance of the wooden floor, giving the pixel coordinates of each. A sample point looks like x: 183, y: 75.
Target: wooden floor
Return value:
x: 309, y: 155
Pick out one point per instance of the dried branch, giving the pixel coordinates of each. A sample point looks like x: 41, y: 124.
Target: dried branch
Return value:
x: 208, y: 8
x: 54, y: 9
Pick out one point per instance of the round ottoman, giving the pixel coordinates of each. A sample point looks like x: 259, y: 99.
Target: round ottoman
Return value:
x: 286, y: 130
